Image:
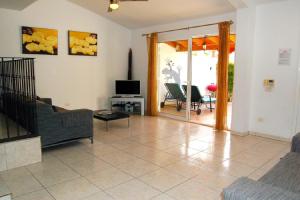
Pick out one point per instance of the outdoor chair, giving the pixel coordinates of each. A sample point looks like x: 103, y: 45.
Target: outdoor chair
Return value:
x: 197, y: 99
x: 174, y: 93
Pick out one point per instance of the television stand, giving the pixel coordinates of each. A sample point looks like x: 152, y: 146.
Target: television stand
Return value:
x: 134, y: 99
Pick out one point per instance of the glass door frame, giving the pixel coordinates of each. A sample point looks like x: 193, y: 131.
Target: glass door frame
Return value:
x: 187, y: 116
x: 189, y: 83
x: 189, y: 79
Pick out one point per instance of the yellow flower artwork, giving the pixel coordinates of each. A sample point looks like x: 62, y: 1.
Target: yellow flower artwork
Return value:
x: 83, y: 43
x: 39, y: 41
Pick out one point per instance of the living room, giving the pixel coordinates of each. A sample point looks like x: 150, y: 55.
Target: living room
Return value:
x: 157, y: 157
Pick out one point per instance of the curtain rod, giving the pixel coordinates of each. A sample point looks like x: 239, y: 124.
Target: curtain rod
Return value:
x: 187, y: 28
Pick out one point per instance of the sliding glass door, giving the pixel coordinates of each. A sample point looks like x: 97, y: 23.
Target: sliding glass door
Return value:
x: 188, y: 79
x: 173, y: 74
x: 204, y: 79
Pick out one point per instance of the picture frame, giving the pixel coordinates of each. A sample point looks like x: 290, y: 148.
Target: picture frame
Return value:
x: 41, y: 41
x: 82, y: 43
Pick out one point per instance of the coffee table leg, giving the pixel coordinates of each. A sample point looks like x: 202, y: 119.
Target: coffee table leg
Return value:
x: 128, y: 122
x: 106, y: 125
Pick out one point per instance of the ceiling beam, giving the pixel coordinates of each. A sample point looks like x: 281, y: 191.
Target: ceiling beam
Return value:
x: 183, y: 43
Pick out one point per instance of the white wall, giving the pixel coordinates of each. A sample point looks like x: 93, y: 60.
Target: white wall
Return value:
x: 71, y: 81
x: 277, y: 26
x: 245, y: 26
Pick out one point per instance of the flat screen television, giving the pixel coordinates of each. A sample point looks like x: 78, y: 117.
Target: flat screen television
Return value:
x: 128, y: 88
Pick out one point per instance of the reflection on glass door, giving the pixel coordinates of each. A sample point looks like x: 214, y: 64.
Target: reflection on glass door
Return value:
x: 173, y: 73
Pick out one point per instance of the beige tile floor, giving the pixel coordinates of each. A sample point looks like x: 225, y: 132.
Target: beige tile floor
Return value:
x: 206, y: 117
x: 156, y: 158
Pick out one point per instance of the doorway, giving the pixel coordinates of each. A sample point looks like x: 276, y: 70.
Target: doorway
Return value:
x: 188, y: 91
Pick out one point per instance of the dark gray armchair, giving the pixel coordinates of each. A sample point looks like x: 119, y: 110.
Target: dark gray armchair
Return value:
x: 61, y: 127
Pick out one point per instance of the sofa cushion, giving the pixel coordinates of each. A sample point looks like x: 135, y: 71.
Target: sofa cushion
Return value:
x: 286, y: 174
x: 75, y: 118
x: 247, y: 189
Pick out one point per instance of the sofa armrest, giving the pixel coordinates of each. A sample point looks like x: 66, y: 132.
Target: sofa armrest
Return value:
x: 73, y: 118
x: 296, y: 143
x: 245, y: 188
x: 46, y: 100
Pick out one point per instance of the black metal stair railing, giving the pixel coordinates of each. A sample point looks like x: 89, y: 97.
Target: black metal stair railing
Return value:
x: 17, y: 99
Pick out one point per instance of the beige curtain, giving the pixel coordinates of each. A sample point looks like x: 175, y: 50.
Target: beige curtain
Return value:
x: 152, y: 104
x: 222, y: 76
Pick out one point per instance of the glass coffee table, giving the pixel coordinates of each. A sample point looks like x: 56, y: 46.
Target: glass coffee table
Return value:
x: 106, y: 115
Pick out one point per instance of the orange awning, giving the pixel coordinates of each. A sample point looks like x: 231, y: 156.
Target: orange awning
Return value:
x: 212, y: 43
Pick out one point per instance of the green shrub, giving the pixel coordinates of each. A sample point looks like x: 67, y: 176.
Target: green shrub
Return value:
x: 230, y: 79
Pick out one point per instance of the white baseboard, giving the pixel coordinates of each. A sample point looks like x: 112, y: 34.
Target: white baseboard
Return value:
x: 261, y: 135
x: 240, y: 133
x: 243, y: 134
x: 174, y: 117
x: 270, y: 137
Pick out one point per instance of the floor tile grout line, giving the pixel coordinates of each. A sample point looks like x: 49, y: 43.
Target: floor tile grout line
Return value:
x: 160, y: 195
x: 80, y: 176
x: 165, y: 192
x: 104, y: 190
x: 40, y: 183
x: 180, y: 159
x: 93, y: 185
x: 265, y: 162
x: 135, y: 178
x: 109, y: 164
x: 259, y: 168
x: 148, y: 161
x: 160, y: 166
x: 69, y: 180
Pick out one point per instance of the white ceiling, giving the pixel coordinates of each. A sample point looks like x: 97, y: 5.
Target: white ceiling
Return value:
x: 15, y: 4
x: 153, y: 12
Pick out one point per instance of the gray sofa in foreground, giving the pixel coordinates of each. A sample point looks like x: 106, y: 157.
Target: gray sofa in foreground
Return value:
x: 282, y: 182
x: 57, y: 126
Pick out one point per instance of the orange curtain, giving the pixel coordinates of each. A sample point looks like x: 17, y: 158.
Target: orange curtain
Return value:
x: 152, y: 105
x: 222, y: 76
